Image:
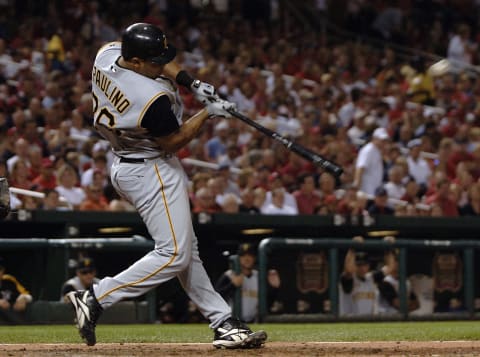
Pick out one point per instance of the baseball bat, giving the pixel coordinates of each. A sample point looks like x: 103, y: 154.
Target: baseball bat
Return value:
x: 301, y: 150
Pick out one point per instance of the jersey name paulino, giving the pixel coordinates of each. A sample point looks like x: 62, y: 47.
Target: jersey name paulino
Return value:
x: 121, y: 98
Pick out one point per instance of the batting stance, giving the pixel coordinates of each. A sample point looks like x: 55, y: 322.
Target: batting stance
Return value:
x: 139, y: 111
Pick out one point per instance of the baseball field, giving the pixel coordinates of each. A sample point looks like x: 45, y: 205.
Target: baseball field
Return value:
x: 322, y: 339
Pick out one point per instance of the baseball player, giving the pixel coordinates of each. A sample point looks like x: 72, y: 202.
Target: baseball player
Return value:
x: 388, y: 284
x: 358, y: 293
x: 84, y: 278
x: 139, y: 110
x: 247, y: 279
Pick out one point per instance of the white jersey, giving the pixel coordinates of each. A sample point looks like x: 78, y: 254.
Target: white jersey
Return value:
x: 383, y: 306
x: 422, y: 287
x: 121, y: 98
x: 249, y: 295
x: 76, y: 283
x: 363, y: 298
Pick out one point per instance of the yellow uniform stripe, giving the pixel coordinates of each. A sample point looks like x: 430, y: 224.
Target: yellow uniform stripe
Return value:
x: 139, y: 121
x: 21, y: 289
x: 175, y: 252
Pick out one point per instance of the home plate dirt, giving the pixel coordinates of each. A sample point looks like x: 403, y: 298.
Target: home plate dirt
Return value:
x: 386, y: 348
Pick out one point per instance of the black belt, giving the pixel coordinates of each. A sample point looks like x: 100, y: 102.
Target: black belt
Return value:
x: 131, y: 160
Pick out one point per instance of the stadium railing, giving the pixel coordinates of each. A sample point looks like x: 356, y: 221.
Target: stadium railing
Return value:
x: 271, y: 246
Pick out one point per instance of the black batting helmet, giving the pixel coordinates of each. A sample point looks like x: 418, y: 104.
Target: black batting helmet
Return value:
x: 147, y: 42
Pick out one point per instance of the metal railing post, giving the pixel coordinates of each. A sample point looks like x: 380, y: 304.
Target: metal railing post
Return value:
x: 469, y: 280
x: 237, y: 298
x: 402, y: 277
x: 333, y: 280
x: 262, y: 279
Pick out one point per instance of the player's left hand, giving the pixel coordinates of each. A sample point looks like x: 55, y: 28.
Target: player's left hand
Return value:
x: 204, y: 92
x: 220, y: 108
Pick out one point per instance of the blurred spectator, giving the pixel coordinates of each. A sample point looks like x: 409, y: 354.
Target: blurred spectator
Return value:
x: 394, y: 187
x: 247, y: 204
x: 246, y: 179
x: 19, y: 175
x: 388, y: 22
x: 52, y: 201
x: 218, y: 186
x: 198, y: 181
x: 14, y: 298
x: 231, y: 185
x: 306, y: 196
x: 99, y: 163
x: 347, y: 112
x: 35, y: 160
x: 85, y: 277
x: 230, y: 204
x: 278, y: 205
x: 94, y: 200
x: 369, y: 165
x: 352, y: 203
x: 358, y: 291
x: 46, y: 179
x: 442, y: 198
x: 380, y: 203
x: 78, y: 129
x: 259, y: 197
x: 460, y: 48
x: 217, y: 145
x: 231, y: 157
x: 67, y: 180
x: 472, y: 208
x: 418, y: 168
x: 20, y: 153
x: 275, y: 182
x: 411, y: 192
x: 205, y: 201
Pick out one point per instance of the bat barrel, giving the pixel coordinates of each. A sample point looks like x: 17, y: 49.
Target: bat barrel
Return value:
x: 296, y: 148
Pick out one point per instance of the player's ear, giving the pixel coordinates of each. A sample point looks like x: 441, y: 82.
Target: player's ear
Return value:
x: 137, y: 62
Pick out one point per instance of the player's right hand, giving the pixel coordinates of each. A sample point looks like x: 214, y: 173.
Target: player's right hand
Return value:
x: 220, y: 108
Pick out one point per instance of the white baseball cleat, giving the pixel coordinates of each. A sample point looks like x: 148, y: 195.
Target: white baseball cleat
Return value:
x: 232, y: 333
x: 87, y: 311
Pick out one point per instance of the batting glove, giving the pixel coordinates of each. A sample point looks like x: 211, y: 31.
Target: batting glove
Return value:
x: 204, y: 92
x: 220, y: 108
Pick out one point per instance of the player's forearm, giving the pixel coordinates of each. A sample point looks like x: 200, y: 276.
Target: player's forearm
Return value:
x: 174, y: 71
x: 349, y: 264
x: 185, y: 133
x: 171, y: 69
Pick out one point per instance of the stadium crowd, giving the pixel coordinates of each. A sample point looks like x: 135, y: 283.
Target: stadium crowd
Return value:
x: 406, y: 130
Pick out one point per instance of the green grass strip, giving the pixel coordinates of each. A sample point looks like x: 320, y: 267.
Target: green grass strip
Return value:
x: 154, y: 333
